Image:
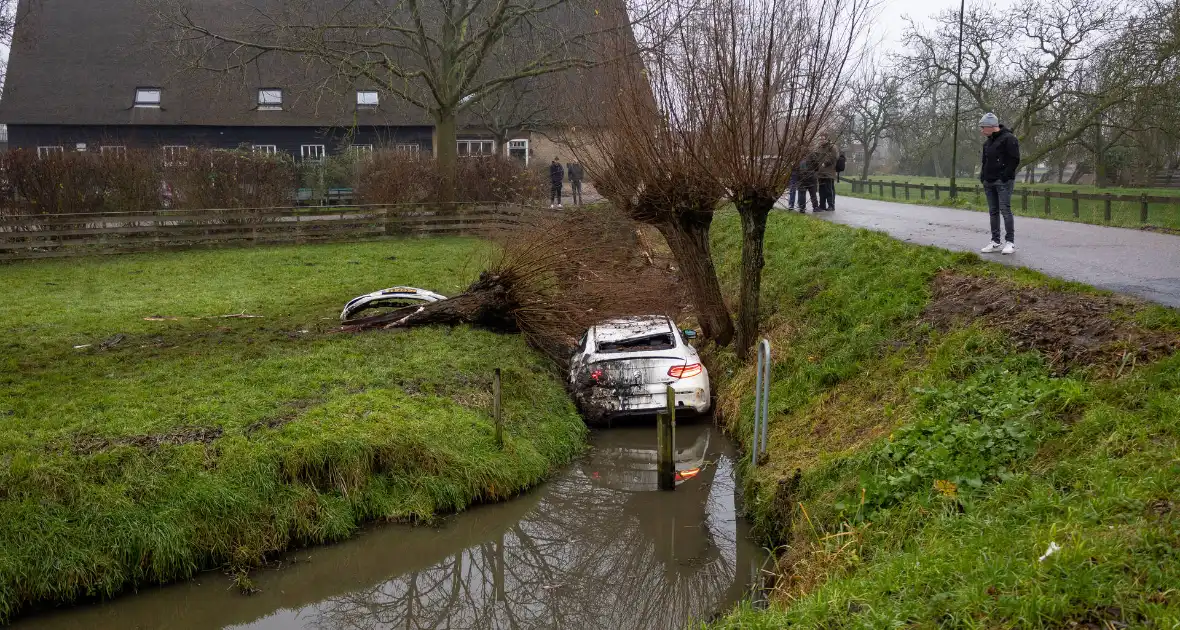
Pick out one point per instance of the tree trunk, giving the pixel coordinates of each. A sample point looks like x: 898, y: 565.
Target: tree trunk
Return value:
x: 446, y: 152
x: 754, y: 213
x: 864, y: 169
x: 688, y: 238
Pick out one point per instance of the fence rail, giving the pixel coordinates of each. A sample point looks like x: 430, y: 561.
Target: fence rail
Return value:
x: 935, y: 191
x: 61, y: 235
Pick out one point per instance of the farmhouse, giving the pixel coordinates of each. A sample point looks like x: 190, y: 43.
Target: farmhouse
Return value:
x: 86, y: 75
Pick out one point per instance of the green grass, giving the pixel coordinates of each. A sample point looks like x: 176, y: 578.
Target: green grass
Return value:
x: 1123, y: 213
x: 198, y: 443
x: 915, y: 477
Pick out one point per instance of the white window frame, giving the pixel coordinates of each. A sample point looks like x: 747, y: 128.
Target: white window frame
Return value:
x: 270, y: 99
x: 46, y: 151
x: 264, y: 149
x: 360, y: 149
x: 143, y: 97
x: 517, y: 143
x: 362, y: 99
x: 174, y: 154
x: 117, y: 149
x: 313, y: 152
x: 407, y: 147
x: 481, y: 142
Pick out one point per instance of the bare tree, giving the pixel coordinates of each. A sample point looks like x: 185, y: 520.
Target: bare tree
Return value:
x: 874, y: 110
x: 647, y: 167
x: 442, y: 57
x: 761, y: 80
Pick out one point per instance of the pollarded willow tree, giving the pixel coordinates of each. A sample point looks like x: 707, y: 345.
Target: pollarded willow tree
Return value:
x: 644, y: 163
x: 441, y: 56
x: 761, y: 79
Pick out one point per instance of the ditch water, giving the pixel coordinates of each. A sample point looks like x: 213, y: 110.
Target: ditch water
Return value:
x: 596, y: 547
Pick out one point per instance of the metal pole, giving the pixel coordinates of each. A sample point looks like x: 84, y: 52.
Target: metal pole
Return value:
x: 958, y: 89
x: 765, y: 347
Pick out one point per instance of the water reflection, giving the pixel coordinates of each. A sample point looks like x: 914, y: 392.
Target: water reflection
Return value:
x: 592, y: 549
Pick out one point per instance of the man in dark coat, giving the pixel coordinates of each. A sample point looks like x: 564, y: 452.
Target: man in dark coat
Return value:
x: 1001, y: 159
x: 808, y: 181
x: 826, y: 157
x: 556, y: 178
x: 575, y: 172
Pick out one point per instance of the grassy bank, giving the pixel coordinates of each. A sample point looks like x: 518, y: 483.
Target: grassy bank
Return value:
x: 957, y: 444
x: 1122, y: 213
x: 145, y: 438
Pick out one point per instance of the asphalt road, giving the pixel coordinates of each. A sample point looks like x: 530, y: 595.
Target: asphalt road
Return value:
x: 1134, y: 262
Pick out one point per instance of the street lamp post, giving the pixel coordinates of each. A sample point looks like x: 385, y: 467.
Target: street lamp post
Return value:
x: 958, y: 89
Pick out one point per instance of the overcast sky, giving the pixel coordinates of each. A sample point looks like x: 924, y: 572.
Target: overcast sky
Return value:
x: 890, y: 23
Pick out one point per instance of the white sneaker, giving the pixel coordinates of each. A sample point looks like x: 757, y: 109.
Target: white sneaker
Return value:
x: 1009, y: 248
x: 559, y: 206
x: 991, y: 248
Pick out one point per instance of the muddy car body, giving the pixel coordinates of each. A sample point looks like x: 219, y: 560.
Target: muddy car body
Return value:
x: 624, y: 366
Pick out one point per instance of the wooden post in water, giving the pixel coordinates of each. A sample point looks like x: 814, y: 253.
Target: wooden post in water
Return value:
x: 497, y: 411
x: 666, y: 444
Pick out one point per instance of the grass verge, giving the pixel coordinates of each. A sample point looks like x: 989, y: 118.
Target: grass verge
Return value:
x: 175, y: 440
x: 1013, y: 466
x: 971, y: 197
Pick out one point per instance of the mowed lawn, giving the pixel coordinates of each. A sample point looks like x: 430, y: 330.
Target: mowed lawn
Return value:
x: 1122, y: 213
x: 144, y: 437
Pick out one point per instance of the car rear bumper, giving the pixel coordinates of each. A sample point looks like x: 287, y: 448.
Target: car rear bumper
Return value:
x: 688, y: 399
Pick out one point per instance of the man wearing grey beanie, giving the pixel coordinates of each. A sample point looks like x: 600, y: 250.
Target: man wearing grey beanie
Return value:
x: 1001, y: 159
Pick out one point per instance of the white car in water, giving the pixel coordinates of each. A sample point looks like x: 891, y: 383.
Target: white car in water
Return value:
x: 624, y: 366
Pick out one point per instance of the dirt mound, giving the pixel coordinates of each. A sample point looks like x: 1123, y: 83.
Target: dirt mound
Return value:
x: 1073, y: 330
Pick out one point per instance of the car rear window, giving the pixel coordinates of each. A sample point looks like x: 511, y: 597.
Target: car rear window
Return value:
x: 659, y: 341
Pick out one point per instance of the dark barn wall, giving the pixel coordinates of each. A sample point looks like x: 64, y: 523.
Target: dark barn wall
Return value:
x: 288, y: 139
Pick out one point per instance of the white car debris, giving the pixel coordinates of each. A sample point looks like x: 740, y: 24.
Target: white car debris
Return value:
x: 624, y: 366
x: 391, y: 297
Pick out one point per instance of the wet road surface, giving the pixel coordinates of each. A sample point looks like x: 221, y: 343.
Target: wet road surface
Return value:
x: 1134, y: 262
x: 597, y: 547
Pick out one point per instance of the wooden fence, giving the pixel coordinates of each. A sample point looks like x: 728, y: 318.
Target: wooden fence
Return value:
x: 57, y: 235
x: 932, y: 191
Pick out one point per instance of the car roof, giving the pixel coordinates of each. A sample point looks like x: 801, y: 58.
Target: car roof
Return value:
x: 631, y: 327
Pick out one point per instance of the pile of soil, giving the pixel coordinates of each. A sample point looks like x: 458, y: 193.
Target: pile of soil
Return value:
x: 1073, y: 330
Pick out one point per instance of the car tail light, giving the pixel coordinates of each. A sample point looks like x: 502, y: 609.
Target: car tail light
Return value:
x: 685, y: 371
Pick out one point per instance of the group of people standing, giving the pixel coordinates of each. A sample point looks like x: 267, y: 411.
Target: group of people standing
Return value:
x: 815, y: 177
x: 557, y: 175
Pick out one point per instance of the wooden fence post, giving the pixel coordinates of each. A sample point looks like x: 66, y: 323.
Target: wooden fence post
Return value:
x: 921, y: 191
x: 1106, y: 208
x: 937, y: 188
x: 1077, y: 213
x: 906, y: 186
x: 882, y: 185
x: 666, y: 444
x: 497, y: 408
x: 1024, y: 199
x: 893, y: 189
x: 1143, y: 209
x: 1048, y: 199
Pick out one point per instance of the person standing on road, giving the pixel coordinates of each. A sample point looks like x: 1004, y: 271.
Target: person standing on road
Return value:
x: 1001, y: 159
x: 575, y: 172
x: 826, y: 159
x: 556, y: 180
x: 793, y: 187
x: 807, y: 183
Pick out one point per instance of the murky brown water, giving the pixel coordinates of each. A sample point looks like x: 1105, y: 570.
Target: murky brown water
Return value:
x: 597, y: 547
